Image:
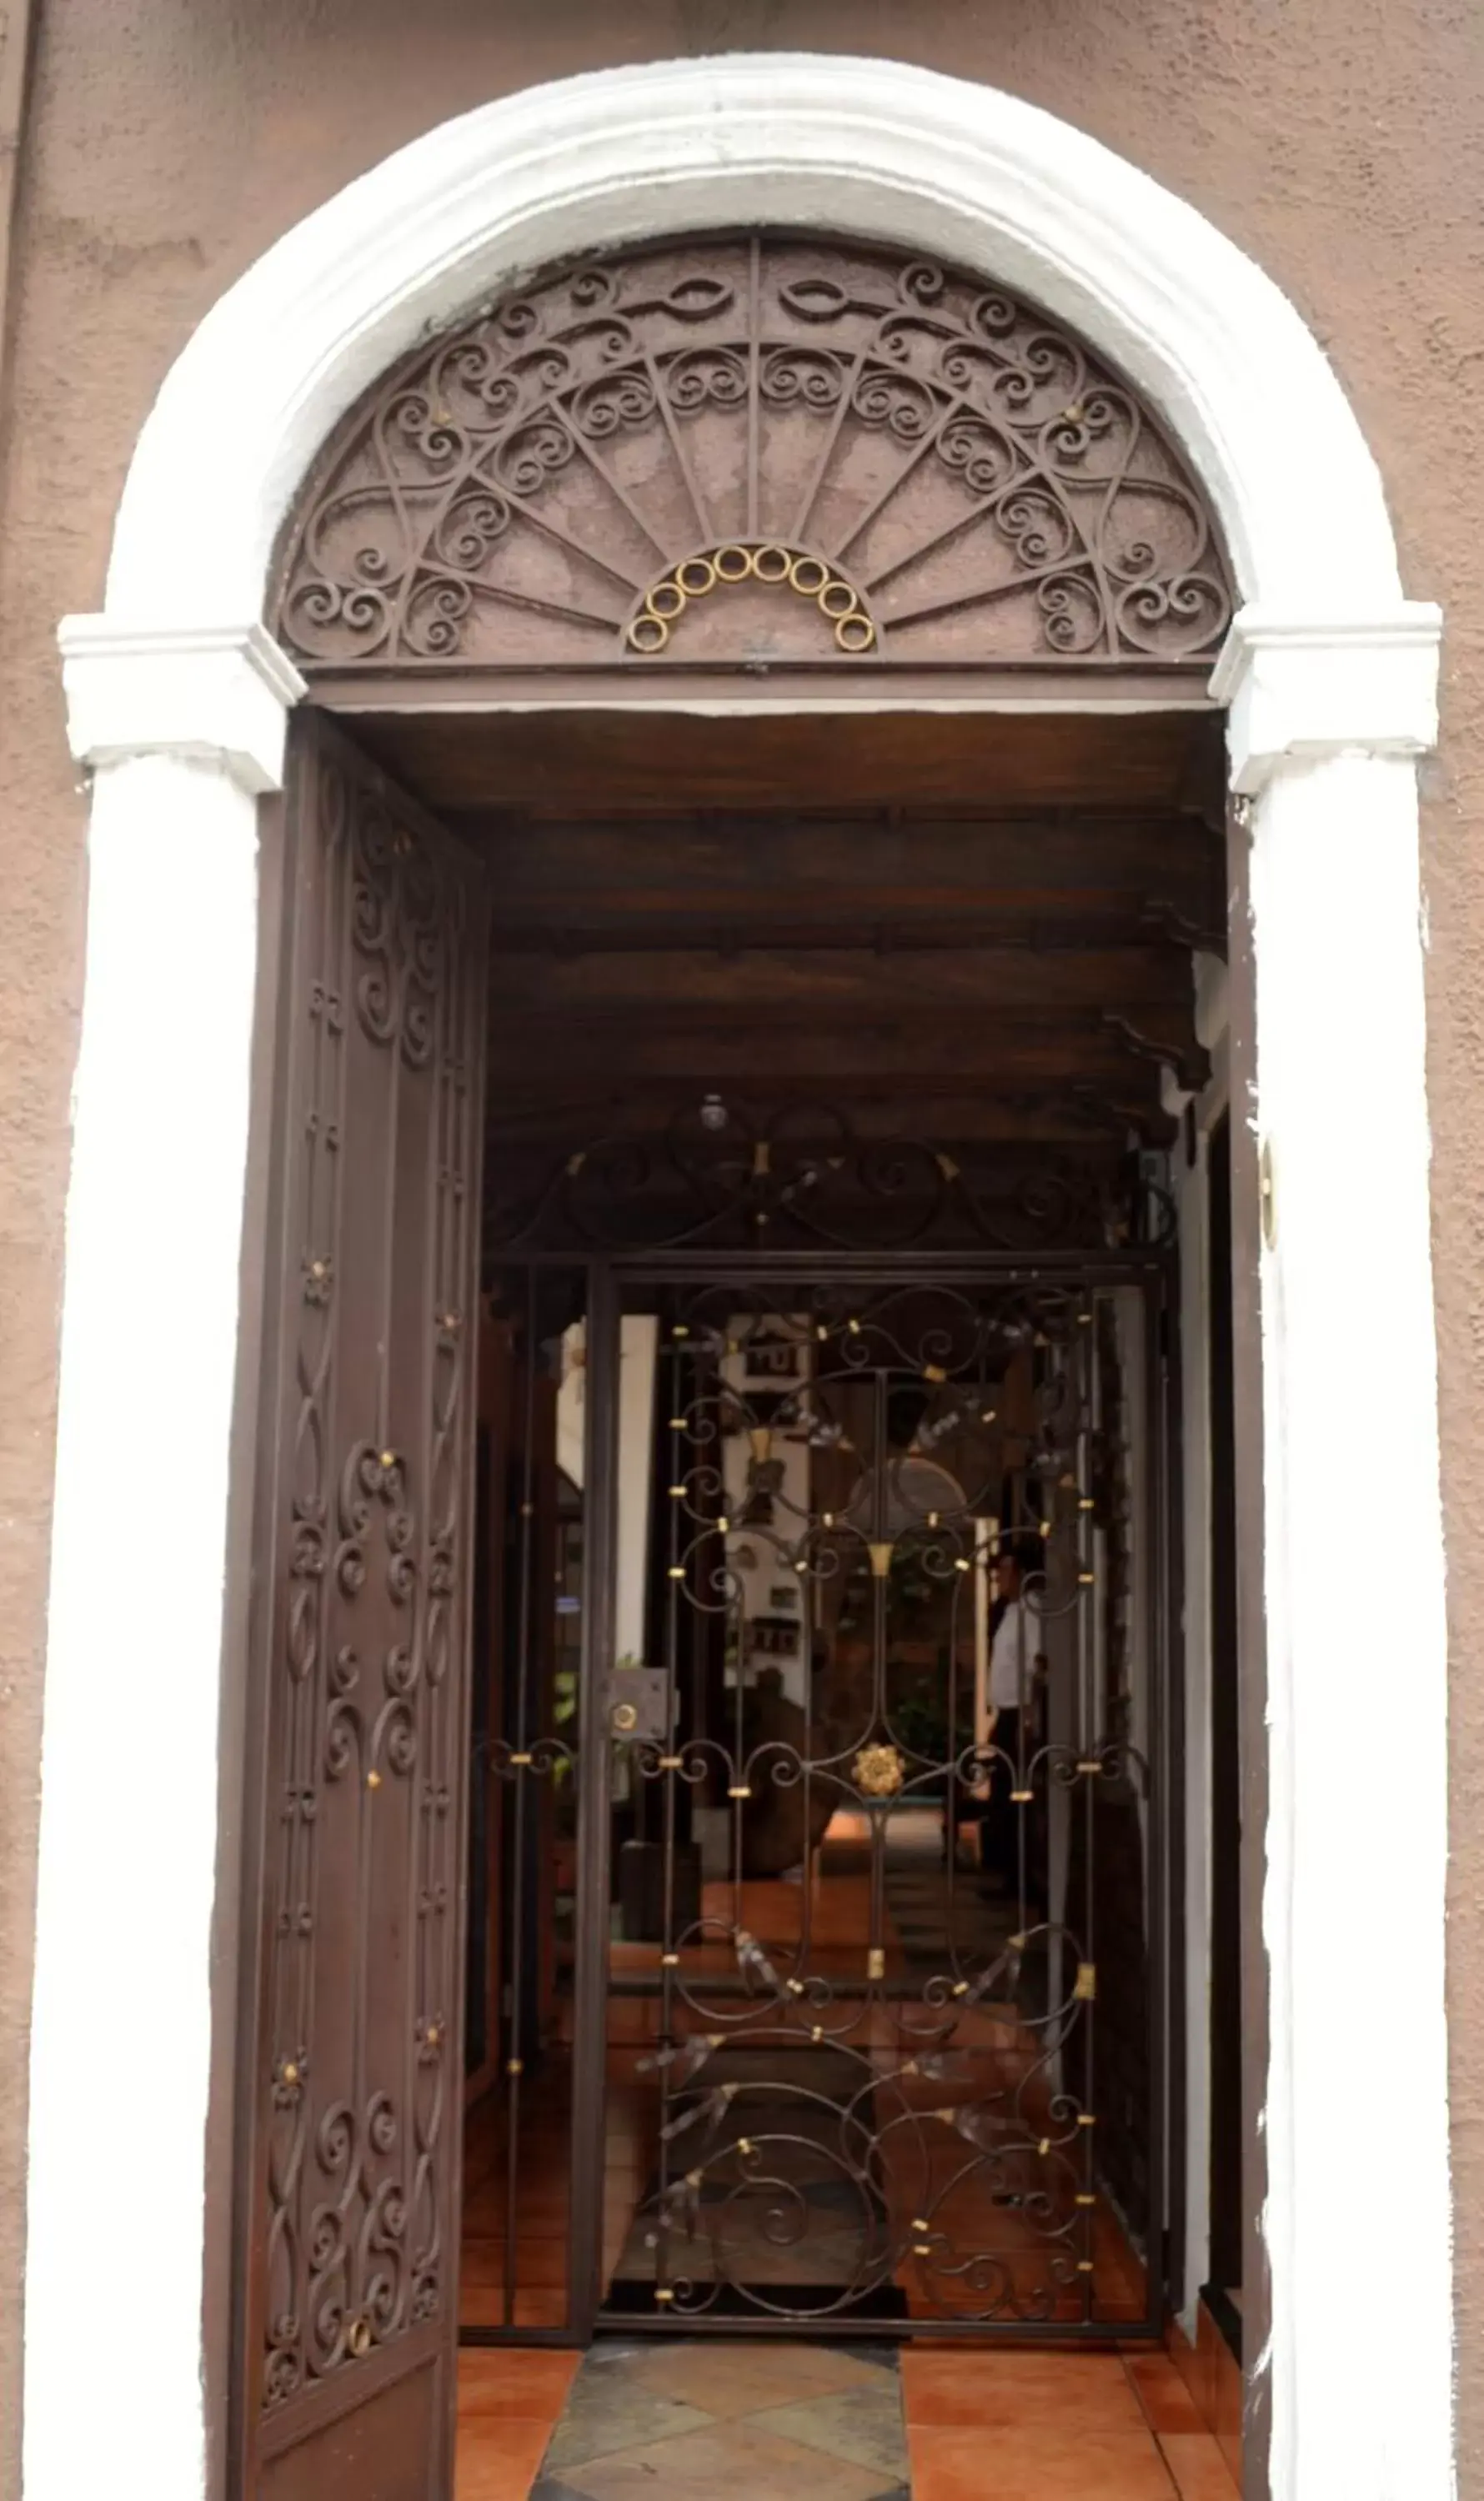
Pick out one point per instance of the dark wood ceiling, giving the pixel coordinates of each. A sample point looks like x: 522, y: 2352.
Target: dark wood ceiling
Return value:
x: 960, y: 927
x: 633, y: 760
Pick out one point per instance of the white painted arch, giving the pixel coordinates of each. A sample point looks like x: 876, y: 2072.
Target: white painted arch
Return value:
x: 177, y: 702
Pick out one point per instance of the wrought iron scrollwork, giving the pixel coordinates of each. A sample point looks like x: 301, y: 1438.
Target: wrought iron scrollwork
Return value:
x: 829, y: 2134
x: 365, y: 1703
x: 567, y: 477
x: 803, y: 1179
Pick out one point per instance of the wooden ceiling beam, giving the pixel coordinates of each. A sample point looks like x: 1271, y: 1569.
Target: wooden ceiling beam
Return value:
x: 968, y: 1053
x: 643, y: 860
x: 818, y: 984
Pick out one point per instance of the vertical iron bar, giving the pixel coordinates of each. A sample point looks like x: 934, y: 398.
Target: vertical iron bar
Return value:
x: 678, y: 1505
x: 516, y: 2040
x: 1161, y: 1321
x: 590, y: 2014
x: 1088, y: 1735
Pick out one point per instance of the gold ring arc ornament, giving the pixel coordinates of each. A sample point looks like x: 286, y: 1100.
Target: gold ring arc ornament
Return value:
x: 877, y: 1771
x: 808, y: 577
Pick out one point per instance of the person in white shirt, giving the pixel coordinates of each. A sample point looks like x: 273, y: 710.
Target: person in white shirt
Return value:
x: 1017, y: 1666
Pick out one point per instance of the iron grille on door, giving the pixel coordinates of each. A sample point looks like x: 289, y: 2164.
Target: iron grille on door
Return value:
x: 867, y: 2047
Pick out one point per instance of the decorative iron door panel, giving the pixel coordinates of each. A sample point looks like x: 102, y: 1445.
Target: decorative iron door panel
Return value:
x: 885, y: 2031
x: 348, y: 2191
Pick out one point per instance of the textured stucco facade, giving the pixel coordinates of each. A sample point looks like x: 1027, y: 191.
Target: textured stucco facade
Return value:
x: 168, y: 141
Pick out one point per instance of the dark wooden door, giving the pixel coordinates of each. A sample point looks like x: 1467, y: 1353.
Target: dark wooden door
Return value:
x: 352, y: 2065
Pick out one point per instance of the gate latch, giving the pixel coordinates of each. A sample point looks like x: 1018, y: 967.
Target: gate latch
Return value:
x: 635, y: 1703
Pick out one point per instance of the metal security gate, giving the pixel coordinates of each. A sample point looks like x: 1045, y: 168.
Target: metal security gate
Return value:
x: 861, y: 2025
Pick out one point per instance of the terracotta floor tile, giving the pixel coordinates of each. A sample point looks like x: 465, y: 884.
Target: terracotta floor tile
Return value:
x: 1019, y: 2391
x: 1163, y: 2393
x: 497, y: 2459
x: 1066, y: 2465
x: 530, y: 2386
x: 1199, y: 2470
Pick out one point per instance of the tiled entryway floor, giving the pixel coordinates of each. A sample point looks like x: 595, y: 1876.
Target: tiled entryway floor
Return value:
x: 763, y: 2422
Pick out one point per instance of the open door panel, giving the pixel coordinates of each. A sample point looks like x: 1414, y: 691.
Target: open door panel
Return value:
x: 351, y: 2070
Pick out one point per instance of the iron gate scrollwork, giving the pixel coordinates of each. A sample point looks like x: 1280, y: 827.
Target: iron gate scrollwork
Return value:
x: 896, y: 1958
x: 890, y: 2108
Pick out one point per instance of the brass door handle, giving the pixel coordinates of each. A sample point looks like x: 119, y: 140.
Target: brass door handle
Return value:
x: 625, y: 1719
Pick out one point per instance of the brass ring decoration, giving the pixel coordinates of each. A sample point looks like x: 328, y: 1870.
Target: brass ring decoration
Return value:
x: 809, y: 576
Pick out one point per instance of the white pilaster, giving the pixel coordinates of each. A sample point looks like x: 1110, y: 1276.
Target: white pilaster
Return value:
x: 128, y: 1831
x: 1357, y: 1658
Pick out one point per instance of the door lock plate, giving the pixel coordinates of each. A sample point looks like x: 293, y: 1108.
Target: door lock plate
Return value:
x: 636, y: 1703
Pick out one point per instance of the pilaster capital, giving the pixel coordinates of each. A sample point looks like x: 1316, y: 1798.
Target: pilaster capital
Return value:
x: 211, y: 694
x: 1300, y: 689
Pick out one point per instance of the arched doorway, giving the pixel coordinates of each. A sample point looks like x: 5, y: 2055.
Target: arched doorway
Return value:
x: 1382, y: 801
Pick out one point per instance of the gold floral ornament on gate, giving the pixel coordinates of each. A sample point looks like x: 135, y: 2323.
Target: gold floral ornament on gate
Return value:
x: 877, y: 1771
x: 776, y: 568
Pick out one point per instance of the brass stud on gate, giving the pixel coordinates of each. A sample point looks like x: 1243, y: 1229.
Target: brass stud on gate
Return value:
x: 373, y: 1780
x: 358, y: 2339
